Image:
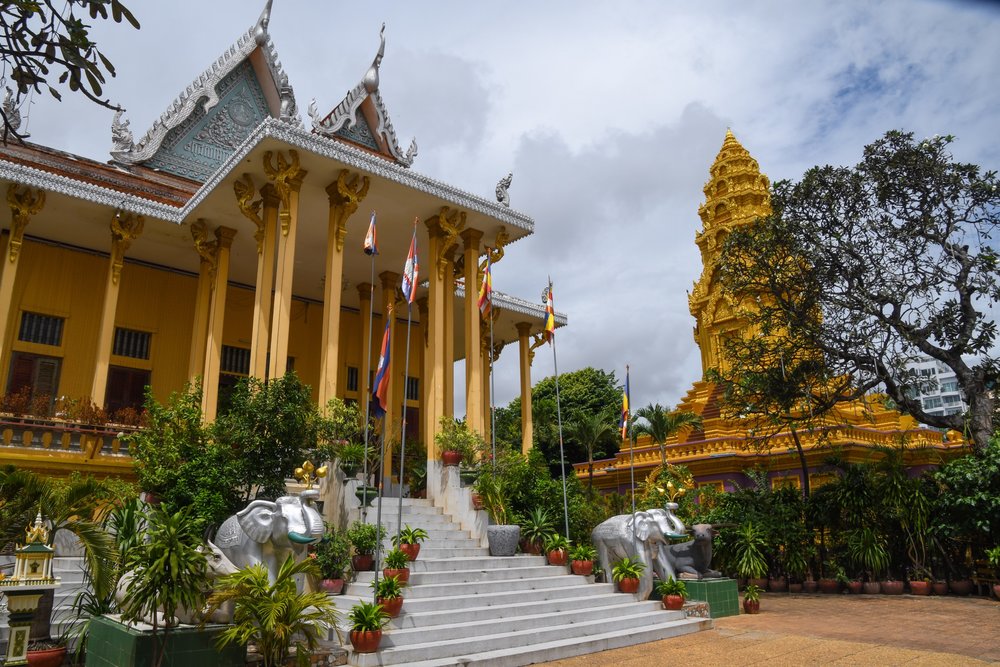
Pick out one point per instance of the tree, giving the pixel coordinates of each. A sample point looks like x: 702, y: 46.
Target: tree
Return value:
x: 39, y: 40
x: 877, y: 265
x: 591, y: 430
x: 659, y: 424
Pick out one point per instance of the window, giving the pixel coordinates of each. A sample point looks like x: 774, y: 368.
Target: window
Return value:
x: 949, y: 385
x: 793, y: 481
x: 131, y: 343
x: 412, y: 389
x: 35, y: 373
x: 126, y: 388
x: 352, y: 378
x: 926, y: 372
x: 932, y: 402
x: 952, y: 399
x: 42, y: 329
x: 235, y: 360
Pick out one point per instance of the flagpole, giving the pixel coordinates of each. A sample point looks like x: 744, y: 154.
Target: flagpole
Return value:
x: 493, y: 411
x: 379, y: 483
x: 368, y: 401
x: 402, y: 438
x: 555, y: 368
x: 631, y: 465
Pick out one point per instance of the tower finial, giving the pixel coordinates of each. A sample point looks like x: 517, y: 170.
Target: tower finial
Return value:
x: 371, y: 76
x: 260, y: 30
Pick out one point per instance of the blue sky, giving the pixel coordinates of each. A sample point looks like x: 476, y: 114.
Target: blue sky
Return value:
x: 609, y: 115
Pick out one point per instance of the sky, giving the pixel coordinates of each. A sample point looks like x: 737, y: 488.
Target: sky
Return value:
x: 609, y: 115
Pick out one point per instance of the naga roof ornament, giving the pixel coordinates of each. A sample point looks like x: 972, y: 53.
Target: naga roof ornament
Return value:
x: 202, y: 94
x: 347, y: 118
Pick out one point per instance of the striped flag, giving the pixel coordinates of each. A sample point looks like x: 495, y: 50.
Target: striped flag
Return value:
x: 411, y: 269
x: 486, y: 290
x: 380, y: 392
x: 550, y: 315
x: 625, y: 411
x: 371, y: 245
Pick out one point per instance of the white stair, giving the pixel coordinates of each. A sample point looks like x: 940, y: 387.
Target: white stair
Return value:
x: 463, y: 607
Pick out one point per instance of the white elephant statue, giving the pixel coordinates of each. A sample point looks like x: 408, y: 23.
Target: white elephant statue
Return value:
x: 269, y: 531
x: 637, y: 538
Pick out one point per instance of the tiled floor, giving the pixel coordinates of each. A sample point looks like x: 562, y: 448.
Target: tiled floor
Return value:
x: 831, y: 629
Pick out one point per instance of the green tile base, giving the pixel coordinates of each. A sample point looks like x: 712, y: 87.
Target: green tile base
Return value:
x: 112, y: 644
x: 720, y: 594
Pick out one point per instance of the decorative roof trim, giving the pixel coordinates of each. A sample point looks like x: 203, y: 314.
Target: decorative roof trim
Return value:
x: 515, y: 304
x: 204, y: 86
x: 272, y: 128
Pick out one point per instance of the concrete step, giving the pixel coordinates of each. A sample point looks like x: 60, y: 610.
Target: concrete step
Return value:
x: 472, y: 563
x: 469, y: 589
x: 471, y: 576
x: 448, y: 552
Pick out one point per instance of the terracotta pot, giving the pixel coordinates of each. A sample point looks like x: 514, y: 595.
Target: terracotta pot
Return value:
x: 533, y: 548
x: 829, y: 586
x: 332, y: 586
x: 871, y: 588
x: 362, y: 562
x: 794, y: 587
x: 402, y: 574
x: 477, y: 502
x: 450, y: 457
x: 920, y: 587
x: 751, y: 606
x: 996, y: 591
x: 761, y: 583
x: 391, y: 606
x: 939, y: 587
x: 628, y: 585
x: 582, y: 567
x: 810, y: 586
x: 854, y: 586
x: 557, y: 557
x: 411, y: 550
x: 50, y: 657
x: 892, y: 588
x: 673, y: 602
x: 365, y: 641
x: 777, y: 584
x: 960, y: 586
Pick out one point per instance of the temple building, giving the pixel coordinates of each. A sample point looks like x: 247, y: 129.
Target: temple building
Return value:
x: 227, y: 242
x: 720, y: 449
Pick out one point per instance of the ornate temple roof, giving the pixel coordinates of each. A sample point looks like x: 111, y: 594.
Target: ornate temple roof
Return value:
x: 362, y: 119
x: 216, y: 112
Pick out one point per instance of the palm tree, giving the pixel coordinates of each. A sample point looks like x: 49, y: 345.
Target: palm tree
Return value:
x: 589, y: 430
x: 659, y: 425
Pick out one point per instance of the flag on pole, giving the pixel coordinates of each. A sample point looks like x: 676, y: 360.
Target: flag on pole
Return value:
x: 486, y: 290
x: 550, y: 315
x: 371, y: 246
x: 625, y: 412
x: 411, y: 269
x: 380, y: 393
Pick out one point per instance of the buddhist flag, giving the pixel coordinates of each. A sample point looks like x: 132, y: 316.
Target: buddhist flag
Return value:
x: 411, y: 269
x: 625, y: 412
x: 371, y: 244
x: 380, y: 392
x: 486, y: 290
x: 550, y: 315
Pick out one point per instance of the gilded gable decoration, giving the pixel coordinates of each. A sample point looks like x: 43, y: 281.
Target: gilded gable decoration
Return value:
x: 125, y: 228
x: 23, y: 203
x: 286, y: 175
x: 346, y: 194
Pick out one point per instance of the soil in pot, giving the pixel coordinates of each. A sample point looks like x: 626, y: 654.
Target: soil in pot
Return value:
x: 391, y: 606
x: 365, y: 641
x: 673, y: 602
x: 332, y: 586
x: 582, y: 567
x: 402, y: 574
x: 920, y: 587
x: 628, y: 585
x: 751, y: 606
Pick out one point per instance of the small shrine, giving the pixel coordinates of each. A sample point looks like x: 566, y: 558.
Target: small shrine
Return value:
x: 33, y: 561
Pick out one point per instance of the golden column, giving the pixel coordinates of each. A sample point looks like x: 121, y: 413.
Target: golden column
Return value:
x: 345, y: 194
x: 449, y: 333
x: 216, y: 318
x: 389, y: 282
x: 442, y: 231
x: 265, y: 237
x: 125, y: 227
x: 425, y: 372
x: 364, y: 389
x: 203, y: 295
x: 474, y: 397
x: 525, y: 356
x: 287, y: 179
x: 23, y: 204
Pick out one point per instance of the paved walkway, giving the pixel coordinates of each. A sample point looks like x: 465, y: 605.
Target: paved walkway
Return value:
x: 831, y: 629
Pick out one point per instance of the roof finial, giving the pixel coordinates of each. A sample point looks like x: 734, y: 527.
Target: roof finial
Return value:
x: 371, y: 76
x: 260, y: 30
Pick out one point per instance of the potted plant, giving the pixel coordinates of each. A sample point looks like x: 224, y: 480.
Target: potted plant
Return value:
x: 866, y: 549
x: 389, y: 594
x: 364, y: 537
x: 501, y: 534
x: 351, y: 457
x: 582, y: 559
x: 456, y: 442
x: 556, y: 549
x: 749, y: 545
x: 535, y: 529
x: 672, y: 593
x: 626, y: 573
x: 993, y: 557
x: 829, y: 582
x: 408, y: 541
x: 367, y: 620
x: 396, y: 562
x: 796, y: 565
x: 751, y: 599
x: 333, y: 555
x: 467, y: 475
x: 275, y: 615
x: 920, y: 581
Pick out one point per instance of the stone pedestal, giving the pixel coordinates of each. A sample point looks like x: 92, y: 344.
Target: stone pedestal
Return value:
x: 720, y: 594
x: 113, y: 644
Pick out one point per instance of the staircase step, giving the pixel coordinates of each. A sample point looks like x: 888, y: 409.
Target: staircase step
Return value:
x: 471, y: 576
x: 479, y: 587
